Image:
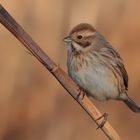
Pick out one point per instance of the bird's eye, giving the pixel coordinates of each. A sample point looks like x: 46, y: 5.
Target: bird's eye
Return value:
x: 79, y: 37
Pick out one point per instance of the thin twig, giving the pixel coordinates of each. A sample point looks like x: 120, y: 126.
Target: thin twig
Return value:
x: 7, y: 20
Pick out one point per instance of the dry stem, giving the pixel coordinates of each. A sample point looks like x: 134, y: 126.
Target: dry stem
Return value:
x: 7, y: 20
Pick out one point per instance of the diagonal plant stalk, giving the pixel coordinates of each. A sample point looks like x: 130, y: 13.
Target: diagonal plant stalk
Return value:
x: 7, y: 20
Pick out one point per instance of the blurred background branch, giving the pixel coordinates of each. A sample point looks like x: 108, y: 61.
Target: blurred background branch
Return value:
x: 60, y: 75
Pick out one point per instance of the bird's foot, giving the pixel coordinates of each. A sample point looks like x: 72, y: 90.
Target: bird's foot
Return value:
x: 104, y: 116
x: 81, y: 94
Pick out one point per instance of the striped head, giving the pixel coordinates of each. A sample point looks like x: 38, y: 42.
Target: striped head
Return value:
x: 81, y: 36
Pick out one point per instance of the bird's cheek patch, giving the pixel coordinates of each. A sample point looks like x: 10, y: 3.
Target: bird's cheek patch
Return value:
x: 86, y: 44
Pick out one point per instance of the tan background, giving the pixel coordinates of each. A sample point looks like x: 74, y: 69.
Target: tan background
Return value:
x: 33, y: 105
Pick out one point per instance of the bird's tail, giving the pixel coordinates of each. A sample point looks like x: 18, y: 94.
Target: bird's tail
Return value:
x: 132, y: 105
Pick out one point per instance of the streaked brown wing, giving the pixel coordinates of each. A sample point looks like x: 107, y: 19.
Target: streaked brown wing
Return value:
x: 120, y: 65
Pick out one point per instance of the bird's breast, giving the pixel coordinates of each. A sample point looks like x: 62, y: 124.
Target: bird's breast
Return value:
x: 94, y: 77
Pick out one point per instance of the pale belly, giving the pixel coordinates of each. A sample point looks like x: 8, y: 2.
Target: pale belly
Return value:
x: 99, y: 82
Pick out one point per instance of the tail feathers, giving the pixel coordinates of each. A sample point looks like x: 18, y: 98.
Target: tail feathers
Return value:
x: 132, y: 105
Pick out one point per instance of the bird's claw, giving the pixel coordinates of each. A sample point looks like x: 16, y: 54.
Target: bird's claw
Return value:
x: 81, y: 94
x: 104, y: 116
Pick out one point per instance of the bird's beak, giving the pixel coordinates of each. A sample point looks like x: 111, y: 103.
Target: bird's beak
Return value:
x: 67, y: 39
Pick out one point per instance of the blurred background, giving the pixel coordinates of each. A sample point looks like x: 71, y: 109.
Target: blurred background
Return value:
x: 33, y: 105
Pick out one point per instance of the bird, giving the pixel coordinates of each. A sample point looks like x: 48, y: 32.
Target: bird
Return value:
x: 96, y: 67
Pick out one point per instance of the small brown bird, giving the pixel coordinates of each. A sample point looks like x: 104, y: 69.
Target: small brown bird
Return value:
x: 96, y: 66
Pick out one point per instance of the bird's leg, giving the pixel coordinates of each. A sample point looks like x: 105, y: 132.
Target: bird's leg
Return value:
x: 81, y: 94
x: 104, y: 116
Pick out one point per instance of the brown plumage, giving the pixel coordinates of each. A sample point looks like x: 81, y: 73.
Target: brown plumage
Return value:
x: 96, y: 66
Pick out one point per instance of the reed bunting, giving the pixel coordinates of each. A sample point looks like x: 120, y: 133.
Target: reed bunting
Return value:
x: 96, y: 66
